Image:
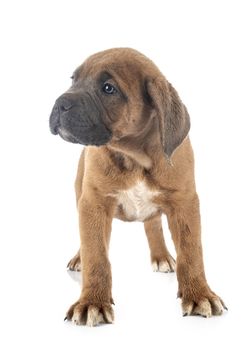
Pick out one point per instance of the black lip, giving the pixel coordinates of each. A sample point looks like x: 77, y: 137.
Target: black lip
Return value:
x: 67, y: 137
x: 86, y: 136
x: 95, y: 141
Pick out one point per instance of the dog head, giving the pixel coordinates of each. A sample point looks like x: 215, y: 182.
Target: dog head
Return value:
x: 119, y: 97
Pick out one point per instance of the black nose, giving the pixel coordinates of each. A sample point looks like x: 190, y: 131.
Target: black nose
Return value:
x: 54, y: 120
x: 63, y: 104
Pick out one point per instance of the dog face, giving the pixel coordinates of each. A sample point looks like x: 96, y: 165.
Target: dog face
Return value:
x: 120, y: 97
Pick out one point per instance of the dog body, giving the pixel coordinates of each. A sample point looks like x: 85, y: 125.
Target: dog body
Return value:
x: 138, y: 165
x: 139, y: 194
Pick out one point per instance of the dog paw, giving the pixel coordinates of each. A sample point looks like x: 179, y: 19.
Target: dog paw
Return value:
x: 82, y: 313
x: 75, y: 264
x: 206, y: 306
x: 164, y: 265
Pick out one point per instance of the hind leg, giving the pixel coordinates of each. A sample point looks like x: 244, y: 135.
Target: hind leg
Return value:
x: 161, y: 259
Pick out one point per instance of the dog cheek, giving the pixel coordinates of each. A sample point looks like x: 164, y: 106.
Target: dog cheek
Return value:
x: 97, y: 136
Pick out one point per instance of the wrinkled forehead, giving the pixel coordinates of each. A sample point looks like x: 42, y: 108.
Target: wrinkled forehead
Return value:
x: 127, y: 69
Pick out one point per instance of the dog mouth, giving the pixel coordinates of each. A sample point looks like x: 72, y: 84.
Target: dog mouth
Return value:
x: 65, y: 135
x: 79, y: 123
x: 95, y: 135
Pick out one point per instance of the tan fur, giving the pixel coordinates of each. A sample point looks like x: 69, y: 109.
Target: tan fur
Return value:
x: 145, y: 149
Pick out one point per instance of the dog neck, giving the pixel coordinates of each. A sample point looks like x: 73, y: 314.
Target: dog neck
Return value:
x: 145, y: 154
x: 130, y: 155
x: 143, y: 149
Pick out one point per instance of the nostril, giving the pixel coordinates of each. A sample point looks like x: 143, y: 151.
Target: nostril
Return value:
x: 66, y: 108
x: 66, y: 105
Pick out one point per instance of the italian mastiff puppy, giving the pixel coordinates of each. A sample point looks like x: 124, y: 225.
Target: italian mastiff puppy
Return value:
x: 138, y: 165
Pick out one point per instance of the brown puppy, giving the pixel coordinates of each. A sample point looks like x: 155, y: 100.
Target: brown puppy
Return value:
x: 142, y: 168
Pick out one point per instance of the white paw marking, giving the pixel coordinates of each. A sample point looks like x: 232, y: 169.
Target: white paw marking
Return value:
x: 163, y: 266
x: 218, y: 307
x: 203, y: 309
x: 76, y: 318
x: 206, y: 307
x: 94, y: 317
x: 154, y: 266
x: 109, y: 317
x: 187, y: 309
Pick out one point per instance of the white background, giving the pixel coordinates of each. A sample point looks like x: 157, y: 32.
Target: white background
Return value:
x: 202, y: 48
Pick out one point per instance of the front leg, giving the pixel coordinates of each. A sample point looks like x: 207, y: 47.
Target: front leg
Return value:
x: 197, y: 297
x: 94, y: 305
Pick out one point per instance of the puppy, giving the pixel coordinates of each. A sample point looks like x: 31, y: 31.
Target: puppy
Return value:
x: 138, y: 165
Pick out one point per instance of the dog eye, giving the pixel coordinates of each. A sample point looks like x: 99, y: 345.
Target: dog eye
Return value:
x: 109, y: 89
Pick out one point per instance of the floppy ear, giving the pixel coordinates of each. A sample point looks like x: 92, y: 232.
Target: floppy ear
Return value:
x: 173, y: 115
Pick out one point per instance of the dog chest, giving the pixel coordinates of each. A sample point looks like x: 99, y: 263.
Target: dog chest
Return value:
x: 137, y: 202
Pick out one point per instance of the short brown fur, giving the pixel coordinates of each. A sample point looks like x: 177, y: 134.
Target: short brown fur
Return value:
x: 150, y: 146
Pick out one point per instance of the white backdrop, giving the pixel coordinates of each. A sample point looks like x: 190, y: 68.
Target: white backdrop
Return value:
x: 202, y: 47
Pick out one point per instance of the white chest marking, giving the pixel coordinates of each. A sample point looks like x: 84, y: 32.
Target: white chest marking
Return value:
x: 137, y: 202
